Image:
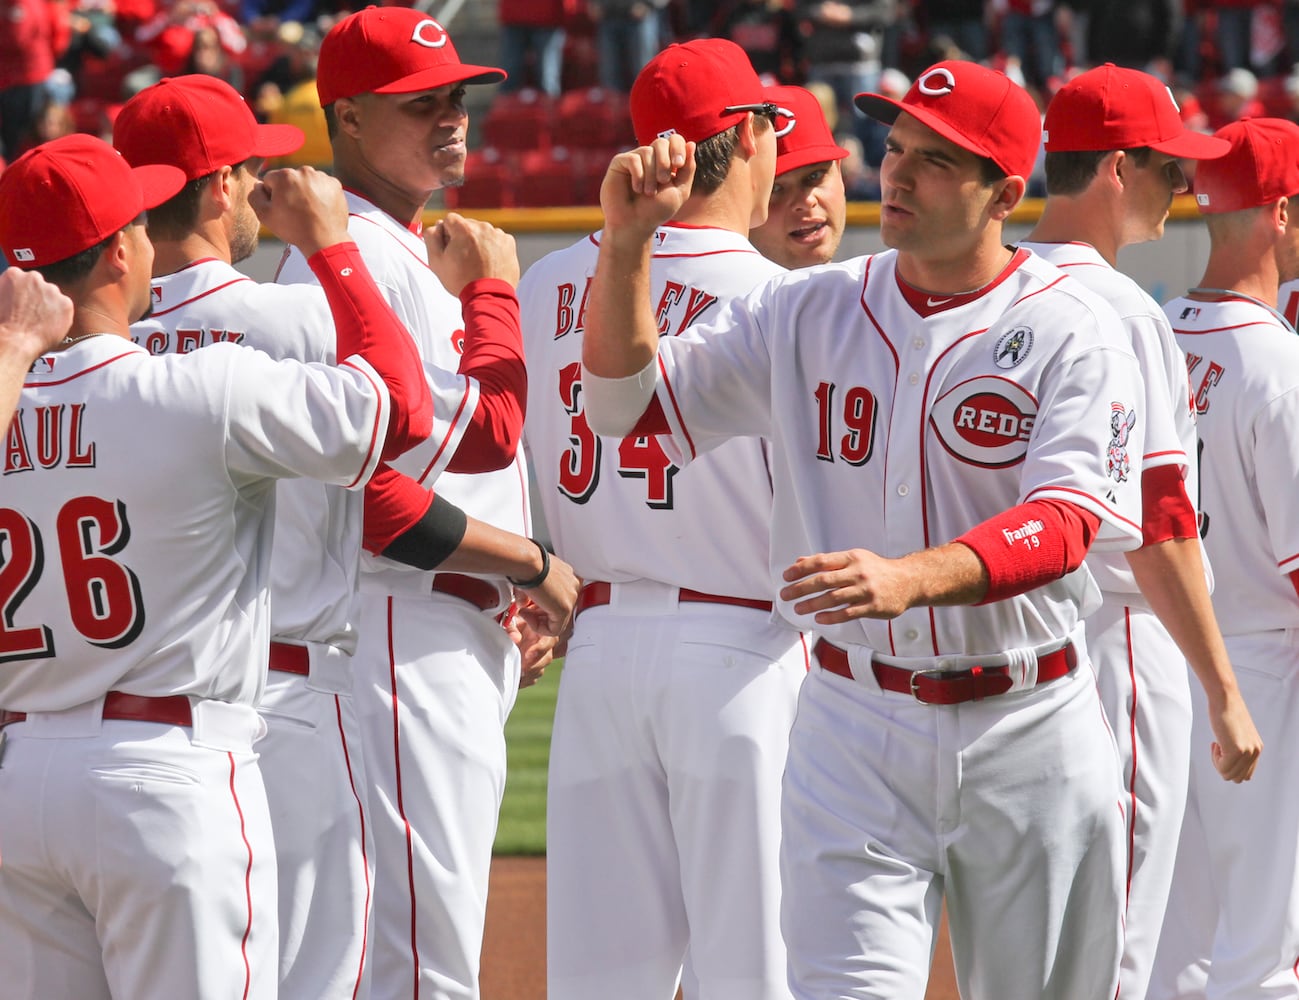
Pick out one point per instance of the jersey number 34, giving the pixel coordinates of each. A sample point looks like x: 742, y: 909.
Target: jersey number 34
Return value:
x: 638, y: 457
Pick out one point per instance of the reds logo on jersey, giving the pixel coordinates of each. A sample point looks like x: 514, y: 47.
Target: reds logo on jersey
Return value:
x: 985, y: 421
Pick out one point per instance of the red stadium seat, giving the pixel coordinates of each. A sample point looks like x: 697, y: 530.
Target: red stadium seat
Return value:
x: 519, y: 121
x: 545, y: 179
x: 487, y: 182
x: 593, y: 118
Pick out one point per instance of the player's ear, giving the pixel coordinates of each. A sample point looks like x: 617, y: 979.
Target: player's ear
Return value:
x: 222, y: 188
x: 347, y: 113
x: 1007, y: 193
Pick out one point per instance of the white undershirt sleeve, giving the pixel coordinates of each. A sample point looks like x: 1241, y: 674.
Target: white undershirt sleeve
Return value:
x: 613, y: 405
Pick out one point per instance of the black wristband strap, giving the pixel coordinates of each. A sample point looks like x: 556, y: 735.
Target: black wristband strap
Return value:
x: 540, y: 578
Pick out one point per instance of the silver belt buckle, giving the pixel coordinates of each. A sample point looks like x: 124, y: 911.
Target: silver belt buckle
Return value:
x: 915, y: 691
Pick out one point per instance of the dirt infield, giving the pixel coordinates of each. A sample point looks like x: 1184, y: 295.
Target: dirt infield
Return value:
x: 514, y: 948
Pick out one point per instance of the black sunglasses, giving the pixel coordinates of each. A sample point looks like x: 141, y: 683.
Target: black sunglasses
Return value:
x: 765, y: 108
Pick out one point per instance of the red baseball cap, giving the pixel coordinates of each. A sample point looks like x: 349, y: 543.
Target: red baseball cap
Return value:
x: 977, y: 108
x: 1261, y: 166
x: 802, y: 134
x: 197, y: 123
x: 1111, y: 107
x: 391, y: 50
x: 70, y: 193
x: 688, y: 87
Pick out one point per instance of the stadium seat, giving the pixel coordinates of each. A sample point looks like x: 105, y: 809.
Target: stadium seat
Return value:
x: 545, y: 179
x: 593, y: 118
x: 487, y: 182
x: 520, y: 121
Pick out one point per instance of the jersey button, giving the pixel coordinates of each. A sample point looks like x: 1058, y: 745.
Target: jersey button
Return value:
x: 913, y: 378
x: 913, y: 634
x: 919, y: 343
x: 903, y: 490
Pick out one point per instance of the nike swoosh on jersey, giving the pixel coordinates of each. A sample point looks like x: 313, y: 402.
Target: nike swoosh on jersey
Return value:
x: 931, y: 303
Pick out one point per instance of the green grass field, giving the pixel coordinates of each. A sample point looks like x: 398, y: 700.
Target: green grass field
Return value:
x: 527, y: 739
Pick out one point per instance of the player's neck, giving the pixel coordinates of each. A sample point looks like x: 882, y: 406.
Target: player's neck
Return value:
x: 170, y: 256
x: 957, y: 275
x: 727, y: 208
x: 1078, y: 220
x: 407, y: 207
x: 1233, y: 269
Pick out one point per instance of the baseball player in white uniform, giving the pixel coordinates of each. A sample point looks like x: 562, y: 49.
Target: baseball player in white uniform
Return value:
x: 1232, y: 927
x: 1112, y: 139
x: 941, y: 418
x: 136, y: 529
x: 679, y: 688
x: 311, y: 758
x: 809, y: 207
x: 34, y: 317
x: 435, y: 674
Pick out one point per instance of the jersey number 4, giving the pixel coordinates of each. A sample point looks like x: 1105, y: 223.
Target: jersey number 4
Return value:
x: 579, y: 465
x: 104, y: 599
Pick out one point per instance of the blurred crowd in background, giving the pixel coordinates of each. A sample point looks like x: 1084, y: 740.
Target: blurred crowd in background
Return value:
x: 67, y: 65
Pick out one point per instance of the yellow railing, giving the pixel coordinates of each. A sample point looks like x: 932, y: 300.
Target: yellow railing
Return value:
x: 589, y: 219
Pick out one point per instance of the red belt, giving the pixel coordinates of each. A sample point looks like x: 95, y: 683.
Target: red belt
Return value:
x: 948, y: 687
x: 290, y: 659
x: 171, y: 711
x: 482, y: 594
x: 598, y: 594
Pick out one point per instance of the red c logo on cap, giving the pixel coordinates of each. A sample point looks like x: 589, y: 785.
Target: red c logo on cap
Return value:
x: 785, y: 113
x: 417, y: 36
x: 926, y: 88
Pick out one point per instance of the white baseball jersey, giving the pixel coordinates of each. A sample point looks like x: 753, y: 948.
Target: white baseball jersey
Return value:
x: 895, y: 433
x: 317, y: 547
x: 1141, y: 674
x: 435, y: 678
x: 1170, y: 437
x: 662, y: 701
x: 1288, y: 301
x: 1244, y: 368
x: 607, y: 502
x: 398, y: 260
x: 164, y: 577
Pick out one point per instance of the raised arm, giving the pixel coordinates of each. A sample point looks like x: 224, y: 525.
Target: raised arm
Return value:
x: 642, y: 189
x: 479, y: 263
x: 34, y: 317
x: 305, y: 207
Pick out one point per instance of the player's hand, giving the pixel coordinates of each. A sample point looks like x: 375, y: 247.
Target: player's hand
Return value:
x: 1238, y: 745
x: 34, y: 314
x: 462, y: 250
x: 645, y: 187
x: 550, y: 606
x: 303, y: 206
x: 842, y: 586
x: 536, y: 652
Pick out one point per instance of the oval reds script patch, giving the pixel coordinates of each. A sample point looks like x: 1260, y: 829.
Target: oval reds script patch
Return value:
x: 986, y: 421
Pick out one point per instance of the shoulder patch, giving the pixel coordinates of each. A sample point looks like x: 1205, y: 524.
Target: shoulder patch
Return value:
x: 1013, y: 347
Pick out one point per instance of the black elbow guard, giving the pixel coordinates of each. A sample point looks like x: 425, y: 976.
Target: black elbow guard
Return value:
x: 428, y: 542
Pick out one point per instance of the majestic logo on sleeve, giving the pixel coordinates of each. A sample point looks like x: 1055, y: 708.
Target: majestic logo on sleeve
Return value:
x: 1117, y: 462
x: 1013, y: 347
x: 986, y: 421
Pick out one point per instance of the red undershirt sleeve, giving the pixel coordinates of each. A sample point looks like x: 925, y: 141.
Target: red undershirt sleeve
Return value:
x: 493, y: 355
x: 393, y: 503
x: 1167, y: 512
x: 1030, y: 545
x: 366, y: 325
